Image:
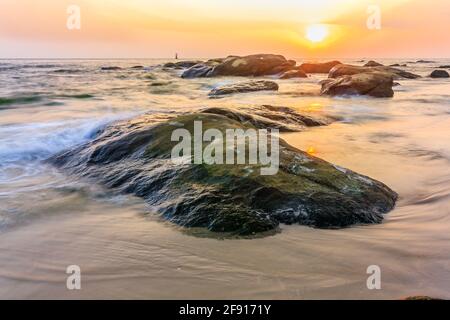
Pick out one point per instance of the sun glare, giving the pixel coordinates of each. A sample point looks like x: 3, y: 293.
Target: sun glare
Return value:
x: 316, y: 33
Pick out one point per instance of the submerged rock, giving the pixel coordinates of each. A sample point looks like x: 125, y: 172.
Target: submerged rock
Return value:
x: 375, y: 84
x: 247, y: 66
x: 295, y: 73
x: 241, y: 87
x: 181, y: 64
x: 135, y: 157
x: 348, y: 70
x: 439, y: 74
x: 324, y: 67
x: 113, y: 68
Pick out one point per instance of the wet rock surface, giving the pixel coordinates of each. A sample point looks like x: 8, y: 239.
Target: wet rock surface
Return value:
x: 135, y: 157
x: 348, y: 70
x: 375, y: 84
x: 276, y: 117
x: 242, y: 87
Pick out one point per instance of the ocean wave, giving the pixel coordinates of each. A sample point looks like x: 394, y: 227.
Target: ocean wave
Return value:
x: 37, y: 141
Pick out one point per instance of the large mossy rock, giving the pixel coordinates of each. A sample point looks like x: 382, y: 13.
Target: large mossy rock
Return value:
x: 375, y: 84
x: 135, y: 157
x: 348, y: 70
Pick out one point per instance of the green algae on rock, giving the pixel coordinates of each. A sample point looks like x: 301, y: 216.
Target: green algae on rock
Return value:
x: 135, y: 157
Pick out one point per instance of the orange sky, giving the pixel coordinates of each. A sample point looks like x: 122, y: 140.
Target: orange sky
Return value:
x: 210, y: 28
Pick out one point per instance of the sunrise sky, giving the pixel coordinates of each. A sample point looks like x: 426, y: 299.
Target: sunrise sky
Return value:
x: 211, y: 28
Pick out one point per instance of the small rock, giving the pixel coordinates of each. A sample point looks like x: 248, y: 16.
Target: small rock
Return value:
x: 247, y: 86
x: 181, y: 64
x: 372, y: 63
x: 110, y: 68
x: 439, y: 74
x: 293, y: 74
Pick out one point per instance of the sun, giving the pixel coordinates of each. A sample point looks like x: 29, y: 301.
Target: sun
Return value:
x: 317, y: 32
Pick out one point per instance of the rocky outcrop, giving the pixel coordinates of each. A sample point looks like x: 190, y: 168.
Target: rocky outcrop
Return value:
x: 348, y: 70
x: 372, y: 63
x: 247, y: 66
x: 439, y: 74
x: 324, y: 67
x: 135, y: 157
x: 295, y: 73
x: 242, y: 87
x: 375, y: 84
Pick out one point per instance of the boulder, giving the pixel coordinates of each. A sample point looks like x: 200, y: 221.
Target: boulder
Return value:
x: 348, y: 70
x: 247, y: 66
x: 234, y: 199
x: 375, y: 84
x: 295, y: 73
x: 372, y: 63
x: 439, y: 74
x: 324, y: 67
x: 242, y: 87
x: 253, y: 65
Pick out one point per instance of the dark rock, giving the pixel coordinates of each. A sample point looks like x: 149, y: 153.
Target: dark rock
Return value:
x: 241, y: 87
x: 135, y: 157
x: 424, y: 61
x: 444, y: 67
x: 372, y: 63
x: 324, y: 67
x: 348, y: 70
x: 113, y: 68
x: 197, y: 71
x: 439, y: 74
x: 137, y: 67
x: 398, y: 65
x: 293, y: 74
x: 375, y: 84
